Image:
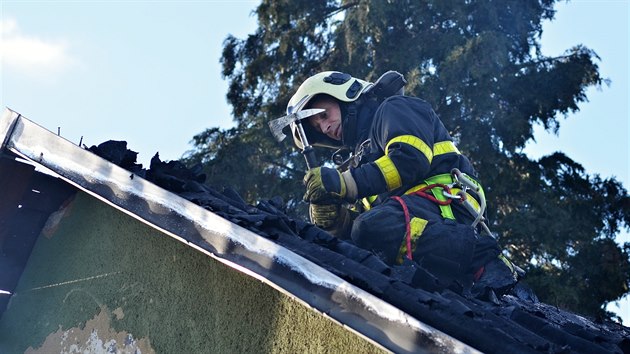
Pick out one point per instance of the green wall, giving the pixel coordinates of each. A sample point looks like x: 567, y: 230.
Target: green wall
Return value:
x: 104, y: 280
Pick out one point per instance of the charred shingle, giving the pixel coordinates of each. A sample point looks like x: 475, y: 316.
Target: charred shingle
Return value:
x: 515, y: 323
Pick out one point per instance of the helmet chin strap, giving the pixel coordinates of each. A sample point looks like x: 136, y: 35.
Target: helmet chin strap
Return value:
x: 353, y: 130
x: 348, y: 121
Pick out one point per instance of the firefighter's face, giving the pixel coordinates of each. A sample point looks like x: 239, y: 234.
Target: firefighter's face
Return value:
x: 329, y: 121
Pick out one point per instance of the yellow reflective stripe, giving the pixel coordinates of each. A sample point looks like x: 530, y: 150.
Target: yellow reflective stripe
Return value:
x: 508, y: 264
x: 439, y: 148
x: 444, y: 147
x: 390, y: 172
x: 416, y: 228
x: 413, y: 141
x: 367, y: 202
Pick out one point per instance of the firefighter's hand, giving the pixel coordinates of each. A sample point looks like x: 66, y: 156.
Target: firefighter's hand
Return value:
x: 326, y: 185
x: 324, y: 215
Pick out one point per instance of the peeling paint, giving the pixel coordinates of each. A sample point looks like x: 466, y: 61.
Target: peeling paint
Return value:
x: 95, y: 337
x: 119, y: 313
x: 55, y: 218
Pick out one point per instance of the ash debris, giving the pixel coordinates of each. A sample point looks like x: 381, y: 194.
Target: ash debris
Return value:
x: 515, y: 322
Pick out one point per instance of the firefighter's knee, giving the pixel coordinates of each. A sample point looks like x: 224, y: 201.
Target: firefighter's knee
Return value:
x: 381, y: 231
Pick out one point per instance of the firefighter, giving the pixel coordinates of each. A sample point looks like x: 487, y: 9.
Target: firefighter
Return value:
x: 399, y: 182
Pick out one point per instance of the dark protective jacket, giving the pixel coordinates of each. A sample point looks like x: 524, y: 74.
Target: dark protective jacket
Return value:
x: 401, y: 143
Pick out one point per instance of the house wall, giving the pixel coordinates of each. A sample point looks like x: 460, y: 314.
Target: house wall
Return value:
x: 102, y: 281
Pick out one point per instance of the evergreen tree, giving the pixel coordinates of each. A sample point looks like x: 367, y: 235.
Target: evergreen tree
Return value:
x: 478, y: 62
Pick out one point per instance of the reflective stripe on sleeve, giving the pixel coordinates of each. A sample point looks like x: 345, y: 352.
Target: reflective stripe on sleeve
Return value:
x: 444, y: 147
x: 439, y: 148
x: 413, y: 141
x: 390, y: 172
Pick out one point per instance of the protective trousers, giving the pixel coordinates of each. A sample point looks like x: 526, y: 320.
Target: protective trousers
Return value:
x: 439, y: 245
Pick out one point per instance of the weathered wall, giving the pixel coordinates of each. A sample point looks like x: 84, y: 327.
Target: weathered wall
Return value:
x: 103, y: 280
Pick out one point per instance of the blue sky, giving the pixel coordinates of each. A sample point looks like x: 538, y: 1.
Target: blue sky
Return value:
x: 148, y: 72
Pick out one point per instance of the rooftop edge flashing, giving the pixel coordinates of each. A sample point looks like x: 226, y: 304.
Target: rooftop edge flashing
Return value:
x: 361, y: 312
x: 7, y: 123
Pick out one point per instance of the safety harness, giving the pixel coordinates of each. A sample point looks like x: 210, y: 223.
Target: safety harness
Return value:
x: 443, y: 190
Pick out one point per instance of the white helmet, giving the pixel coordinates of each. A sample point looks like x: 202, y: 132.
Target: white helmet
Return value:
x: 341, y: 86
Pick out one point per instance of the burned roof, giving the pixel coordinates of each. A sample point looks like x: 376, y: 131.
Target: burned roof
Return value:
x: 512, y: 323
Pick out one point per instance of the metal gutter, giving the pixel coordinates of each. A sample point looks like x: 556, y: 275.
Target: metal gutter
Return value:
x: 239, y: 248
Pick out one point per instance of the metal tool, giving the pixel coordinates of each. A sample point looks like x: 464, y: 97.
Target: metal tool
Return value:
x: 277, y: 126
x: 464, y: 183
